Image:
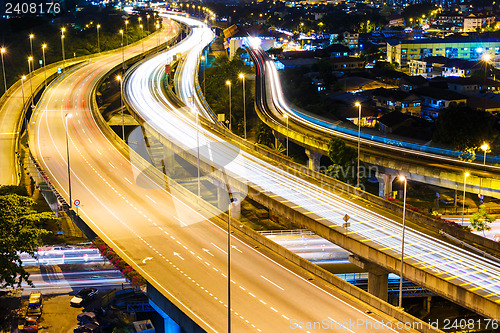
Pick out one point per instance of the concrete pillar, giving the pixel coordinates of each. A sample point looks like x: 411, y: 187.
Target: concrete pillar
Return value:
x: 314, y: 160
x: 384, y: 184
x: 377, y: 277
x: 427, y: 304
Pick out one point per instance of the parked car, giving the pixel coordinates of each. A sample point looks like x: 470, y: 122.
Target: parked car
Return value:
x: 83, y: 296
x: 28, y: 325
x: 34, y: 304
x: 88, y: 328
x: 86, y: 318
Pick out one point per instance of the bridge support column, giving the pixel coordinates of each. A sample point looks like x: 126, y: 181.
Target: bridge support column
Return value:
x: 385, y: 184
x: 378, y: 278
x: 313, y: 159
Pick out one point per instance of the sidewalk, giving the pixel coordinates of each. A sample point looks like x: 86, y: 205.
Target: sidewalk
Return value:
x: 493, y: 234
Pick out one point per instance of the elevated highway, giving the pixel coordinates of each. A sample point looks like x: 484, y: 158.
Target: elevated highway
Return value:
x: 153, y: 230
x: 459, y: 275
x: 423, y: 163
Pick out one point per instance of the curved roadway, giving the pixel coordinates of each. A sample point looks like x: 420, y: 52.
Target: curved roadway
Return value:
x: 450, y: 263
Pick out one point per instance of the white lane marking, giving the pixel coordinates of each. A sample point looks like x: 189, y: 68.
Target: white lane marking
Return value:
x: 184, y: 224
x: 271, y: 282
x: 219, y: 248
x: 112, y: 165
x: 150, y: 198
x: 127, y: 180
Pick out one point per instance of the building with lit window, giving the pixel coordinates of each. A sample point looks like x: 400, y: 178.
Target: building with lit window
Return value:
x: 402, y: 51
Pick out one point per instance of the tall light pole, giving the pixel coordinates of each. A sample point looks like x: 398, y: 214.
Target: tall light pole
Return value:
x: 485, y: 148
x: 286, y: 117
x: 30, y: 59
x: 126, y: 31
x: 403, y: 179
x: 463, y: 199
x: 2, y: 51
x: 193, y: 110
x: 242, y: 77
x: 228, y: 84
x: 203, y: 61
x: 31, y: 36
x: 147, y: 17
x: 231, y: 200
x: 123, y: 53
x: 98, y: 40
x: 158, y: 27
x: 68, y: 115
x: 22, y: 87
x: 119, y: 78
x: 358, y: 104
x: 142, y: 37
x: 44, y: 46
x: 62, y: 45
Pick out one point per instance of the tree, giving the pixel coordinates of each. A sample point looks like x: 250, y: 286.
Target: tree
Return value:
x: 464, y: 128
x: 20, y: 231
x: 481, y: 219
x: 344, y: 161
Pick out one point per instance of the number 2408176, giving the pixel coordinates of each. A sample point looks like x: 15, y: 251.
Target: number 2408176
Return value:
x: 20, y: 8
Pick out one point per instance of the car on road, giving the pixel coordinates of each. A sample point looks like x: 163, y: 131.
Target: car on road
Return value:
x: 28, y: 325
x: 86, y: 318
x: 83, y: 296
x: 88, y: 328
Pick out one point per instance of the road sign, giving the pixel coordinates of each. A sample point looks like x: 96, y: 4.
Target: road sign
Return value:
x: 59, y: 70
x: 346, y: 220
x: 40, y: 62
x: 76, y: 203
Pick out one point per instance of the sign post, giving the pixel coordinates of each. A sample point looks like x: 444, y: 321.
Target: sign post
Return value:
x: 76, y: 203
x: 346, y: 223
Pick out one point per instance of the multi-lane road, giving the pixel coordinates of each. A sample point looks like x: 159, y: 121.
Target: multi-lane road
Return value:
x: 451, y: 264
x: 152, y: 229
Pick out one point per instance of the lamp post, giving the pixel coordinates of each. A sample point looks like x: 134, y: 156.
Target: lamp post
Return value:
x: 147, y: 17
x: 158, y: 27
x: 142, y: 37
x: 98, y: 40
x: 22, y: 87
x: 68, y: 115
x: 44, y: 46
x: 31, y: 36
x: 485, y: 148
x: 123, y: 52
x: 463, y: 199
x: 126, y: 30
x: 358, y: 104
x: 2, y: 51
x: 402, y: 178
x: 62, y: 45
x: 242, y: 77
x: 231, y: 200
x: 193, y: 110
x: 119, y: 78
x: 228, y: 84
x: 204, y: 64
x: 286, y: 117
x: 30, y: 59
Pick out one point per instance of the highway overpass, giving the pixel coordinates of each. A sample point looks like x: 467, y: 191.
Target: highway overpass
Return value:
x: 438, y: 266
x: 392, y: 157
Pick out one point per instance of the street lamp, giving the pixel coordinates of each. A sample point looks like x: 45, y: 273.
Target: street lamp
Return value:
x: 193, y: 110
x: 463, y: 199
x: 30, y: 59
x: 62, y: 45
x: 228, y: 84
x: 403, y: 179
x: 126, y: 31
x: 231, y: 200
x: 158, y: 27
x: 147, y: 17
x: 68, y: 115
x: 119, y: 78
x: 98, y: 41
x: 44, y: 46
x: 123, y: 52
x: 142, y: 37
x: 2, y: 51
x: 485, y: 148
x: 242, y: 77
x: 22, y: 87
x: 31, y: 43
x: 286, y: 117
x: 358, y: 104
x: 204, y: 65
